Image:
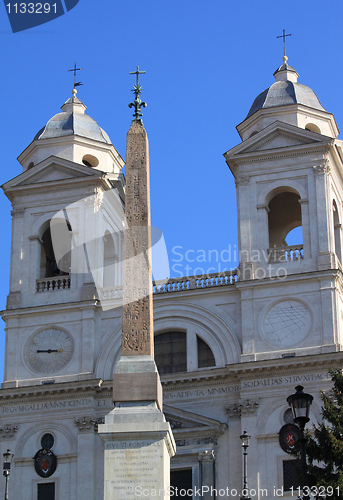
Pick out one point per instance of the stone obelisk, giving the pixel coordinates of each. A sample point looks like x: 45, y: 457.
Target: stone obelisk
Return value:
x: 137, y: 439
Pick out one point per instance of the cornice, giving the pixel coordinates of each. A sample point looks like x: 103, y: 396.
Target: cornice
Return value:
x: 58, y: 185
x: 277, y: 153
x: 259, y: 369
x: 306, y: 276
x: 71, y: 140
x: 61, y: 390
x: 231, y: 374
x: 284, y: 110
x: 79, y: 305
x: 286, y: 365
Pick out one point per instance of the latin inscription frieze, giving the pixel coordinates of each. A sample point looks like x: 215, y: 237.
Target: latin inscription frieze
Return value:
x: 287, y: 380
x: 200, y: 393
x: 53, y: 405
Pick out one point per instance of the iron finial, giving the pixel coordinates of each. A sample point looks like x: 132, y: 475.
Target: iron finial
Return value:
x: 137, y: 103
x: 285, y: 58
x: 76, y: 84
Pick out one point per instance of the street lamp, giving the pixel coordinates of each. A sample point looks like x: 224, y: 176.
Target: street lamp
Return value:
x: 7, y: 466
x: 245, y: 445
x: 300, y: 402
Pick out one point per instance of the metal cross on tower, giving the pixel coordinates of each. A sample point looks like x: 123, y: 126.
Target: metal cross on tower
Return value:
x: 284, y: 40
x: 76, y: 84
x: 137, y: 103
x: 137, y: 72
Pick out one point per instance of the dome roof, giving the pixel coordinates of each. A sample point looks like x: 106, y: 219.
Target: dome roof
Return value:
x: 285, y: 91
x: 73, y: 121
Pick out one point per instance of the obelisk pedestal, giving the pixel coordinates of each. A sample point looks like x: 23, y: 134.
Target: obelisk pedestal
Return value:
x: 137, y: 439
x: 138, y: 445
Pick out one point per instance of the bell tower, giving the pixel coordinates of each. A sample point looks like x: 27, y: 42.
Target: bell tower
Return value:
x: 288, y: 173
x: 52, y: 304
x: 63, y: 305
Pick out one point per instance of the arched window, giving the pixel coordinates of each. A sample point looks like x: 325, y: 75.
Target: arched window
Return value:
x: 205, y: 355
x: 284, y: 216
x: 171, y: 353
x: 109, y: 260
x: 337, y: 231
x: 49, y: 267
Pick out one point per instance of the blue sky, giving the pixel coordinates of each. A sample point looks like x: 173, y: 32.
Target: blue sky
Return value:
x: 205, y: 60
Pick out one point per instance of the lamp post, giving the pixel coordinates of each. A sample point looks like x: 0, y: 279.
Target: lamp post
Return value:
x: 300, y: 402
x: 7, y: 467
x: 245, y: 445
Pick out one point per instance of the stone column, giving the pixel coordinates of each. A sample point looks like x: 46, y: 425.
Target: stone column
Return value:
x: 87, y: 345
x: 325, y: 256
x: 16, y: 250
x: 305, y: 218
x: 206, y: 459
x: 86, y: 456
x: 246, y: 238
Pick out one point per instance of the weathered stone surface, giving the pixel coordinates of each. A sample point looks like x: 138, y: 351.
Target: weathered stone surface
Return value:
x: 137, y: 387
x: 138, y: 445
x: 137, y: 337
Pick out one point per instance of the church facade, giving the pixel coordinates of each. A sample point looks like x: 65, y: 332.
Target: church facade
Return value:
x: 230, y: 348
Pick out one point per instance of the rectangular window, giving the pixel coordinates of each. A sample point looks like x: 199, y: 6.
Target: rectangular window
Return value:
x: 46, y: 491
x: 291, y: 474
x: 181, y: 481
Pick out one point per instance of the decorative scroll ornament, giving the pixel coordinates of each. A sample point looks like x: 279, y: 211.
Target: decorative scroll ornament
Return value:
x: 322, y: 169
x: 195, y: 441
x: 242, y: 181
x: 240, y: 408
x: 8, y: 430
x: 137, y: 103
x: 88, y: 423
x: 206, y: 456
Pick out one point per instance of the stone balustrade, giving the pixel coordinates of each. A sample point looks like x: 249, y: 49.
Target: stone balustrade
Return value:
x: 51, y: 284
x: 172, y: 285
x: 195, y: 282
x: 292, y: 253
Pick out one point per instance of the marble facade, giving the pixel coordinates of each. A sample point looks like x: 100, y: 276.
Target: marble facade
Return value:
x: 272, y: 324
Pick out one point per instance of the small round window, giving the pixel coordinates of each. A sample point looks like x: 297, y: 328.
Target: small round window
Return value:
x: 288, y: 417
x: 47, y: 441
x: 90, y: 161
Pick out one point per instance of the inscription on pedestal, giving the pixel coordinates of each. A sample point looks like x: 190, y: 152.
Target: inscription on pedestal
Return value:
x: 133, y: 465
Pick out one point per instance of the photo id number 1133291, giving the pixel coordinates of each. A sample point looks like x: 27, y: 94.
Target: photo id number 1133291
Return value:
x: 316, y: 491
x: 31, y: 8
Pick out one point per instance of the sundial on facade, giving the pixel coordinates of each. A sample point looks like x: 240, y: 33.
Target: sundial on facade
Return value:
x: 287, y: 323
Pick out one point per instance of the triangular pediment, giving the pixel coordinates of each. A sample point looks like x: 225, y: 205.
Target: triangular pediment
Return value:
x: 278, y: 139
x: 52, y: 173
x: 182, y: 420
x: 278, y: 135
x: 192, y: 429
x: 52, y: 170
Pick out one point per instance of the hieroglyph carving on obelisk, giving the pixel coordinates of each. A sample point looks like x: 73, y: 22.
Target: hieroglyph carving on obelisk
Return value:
x: 137, y: 337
